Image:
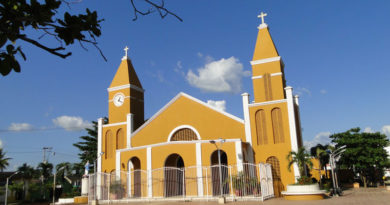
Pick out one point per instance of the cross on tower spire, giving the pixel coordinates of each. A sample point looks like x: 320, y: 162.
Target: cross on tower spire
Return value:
x: 262, y: 15
x: 125, y: 56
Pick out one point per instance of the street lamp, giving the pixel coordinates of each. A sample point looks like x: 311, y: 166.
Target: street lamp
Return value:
x: 6, y: 187
x: 219, y: 161
x: 94, y: 172
x: 333, y: 158
x: 54, y: 183
x: 94, y: 162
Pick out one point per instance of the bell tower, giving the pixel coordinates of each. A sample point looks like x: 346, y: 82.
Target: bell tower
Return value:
x: 126, y: 95
x: 267, y: 67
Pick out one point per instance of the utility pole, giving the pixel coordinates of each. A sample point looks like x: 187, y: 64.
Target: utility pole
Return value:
x: 46, y: 149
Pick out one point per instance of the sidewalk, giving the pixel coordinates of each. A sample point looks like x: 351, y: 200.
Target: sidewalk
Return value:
x: 369, y: 196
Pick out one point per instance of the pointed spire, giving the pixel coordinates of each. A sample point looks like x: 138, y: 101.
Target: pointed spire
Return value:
x: 265, y: 47
x: 126, y: 73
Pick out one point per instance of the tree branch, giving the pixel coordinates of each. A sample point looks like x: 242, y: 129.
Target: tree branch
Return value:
x: 50, y: 50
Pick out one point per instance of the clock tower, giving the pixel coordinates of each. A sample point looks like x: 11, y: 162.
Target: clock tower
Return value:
x: 126, y: 95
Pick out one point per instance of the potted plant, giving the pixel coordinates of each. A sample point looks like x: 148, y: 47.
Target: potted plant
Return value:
x: 304, y: 188
x: 116, y: 189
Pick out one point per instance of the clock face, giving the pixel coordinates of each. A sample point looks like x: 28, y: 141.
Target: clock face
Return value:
x: 118, y: 99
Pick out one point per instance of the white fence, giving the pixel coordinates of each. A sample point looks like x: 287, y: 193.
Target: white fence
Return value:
x: 244, y: 181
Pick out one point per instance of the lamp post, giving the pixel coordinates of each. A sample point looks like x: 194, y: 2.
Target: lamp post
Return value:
x: 54, y: 183
x: 332, y: 160
x: 95, y: 174
x: 219, y: 161
x: 6, y: 187
x: 94, y: 162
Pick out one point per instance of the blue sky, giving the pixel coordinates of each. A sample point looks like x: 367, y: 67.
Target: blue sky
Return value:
x: 335, y: 54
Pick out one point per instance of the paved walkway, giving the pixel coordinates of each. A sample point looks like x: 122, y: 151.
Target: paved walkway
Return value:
x: 370, y: 196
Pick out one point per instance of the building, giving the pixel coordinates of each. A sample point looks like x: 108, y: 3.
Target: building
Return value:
x: 186, y: 131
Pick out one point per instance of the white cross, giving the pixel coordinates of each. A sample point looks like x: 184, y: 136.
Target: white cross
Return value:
x: 262, y: 15
x: 126, y: 48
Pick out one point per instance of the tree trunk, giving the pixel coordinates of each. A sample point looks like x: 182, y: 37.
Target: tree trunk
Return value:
x: 364, y: 181
x: 319, y: 171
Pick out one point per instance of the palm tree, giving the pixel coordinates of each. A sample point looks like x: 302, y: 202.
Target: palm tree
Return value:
x: 302, y: 158
x: 66, y: 171
x: 27, y: 173
x: 3, y: 160
x: 45, y: 170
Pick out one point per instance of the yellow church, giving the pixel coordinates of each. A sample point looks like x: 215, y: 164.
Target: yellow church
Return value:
x: 191, y: 149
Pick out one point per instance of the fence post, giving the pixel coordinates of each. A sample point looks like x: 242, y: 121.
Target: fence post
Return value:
x: 231, y: 181
x: 207, y: 185
x: 184, y: 184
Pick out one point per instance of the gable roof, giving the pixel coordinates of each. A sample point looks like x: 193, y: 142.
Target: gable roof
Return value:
x: 181, y: 94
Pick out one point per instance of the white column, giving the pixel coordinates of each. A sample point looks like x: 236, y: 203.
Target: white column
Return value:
x: 99, y: 158
x: 130, y: 167
x: 245, y: 103
x: 292, y: 125
x: 129, y: 129
x: 199, y: 173
x: 299, y: 131
x: 239, y: 156
x: 149, y: 170
x: 118, y: 165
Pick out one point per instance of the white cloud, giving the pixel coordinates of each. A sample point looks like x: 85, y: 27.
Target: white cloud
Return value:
x: 20, y: 127
x: 179, y: 65
x: 323, y: 91
x: 72, y: 123
x: 303, y: 91
x: 223, y: 75
x: 320, y: 138
x: 219, y: 104
x: 386, y: 130
x: 368, y: 130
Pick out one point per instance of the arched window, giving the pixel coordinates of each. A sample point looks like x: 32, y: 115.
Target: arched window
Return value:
x: 261, y: 129
x: 184, y: 134
x: 108, y: 144
x: 277, y: 125
x: 278, y: 186
x: 267, y: 86
x: 120, y: 139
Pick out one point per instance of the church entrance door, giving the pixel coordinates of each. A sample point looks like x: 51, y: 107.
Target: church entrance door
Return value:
x: 215, y: 176
x: 174, y: 176
x: 135, y: 171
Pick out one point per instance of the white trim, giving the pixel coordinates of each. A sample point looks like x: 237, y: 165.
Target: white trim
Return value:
x: 126, y: 86
x: 262, y: 26
x: 129, y: 129
x: 118, y: 165
x: 114, y: 124
x: 199, y: 172
x: 175, y: 142
x: 131, y: 97
x: 99, y: 158
x: 292, y: 125
x: 268, y: 102
x: 266, y: 60
x: 129, y: 176
x: 276, y: 74
x: 181, y: 127
x: 245, y: 102
x: 239, y: 156
x: 191, y: 98
x: 272, y: 75
x: 149, y: 171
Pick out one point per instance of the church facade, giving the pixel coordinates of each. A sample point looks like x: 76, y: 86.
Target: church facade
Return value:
x: 188, y: 132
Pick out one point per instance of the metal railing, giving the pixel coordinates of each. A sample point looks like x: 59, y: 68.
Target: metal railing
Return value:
x: 241, y: 181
